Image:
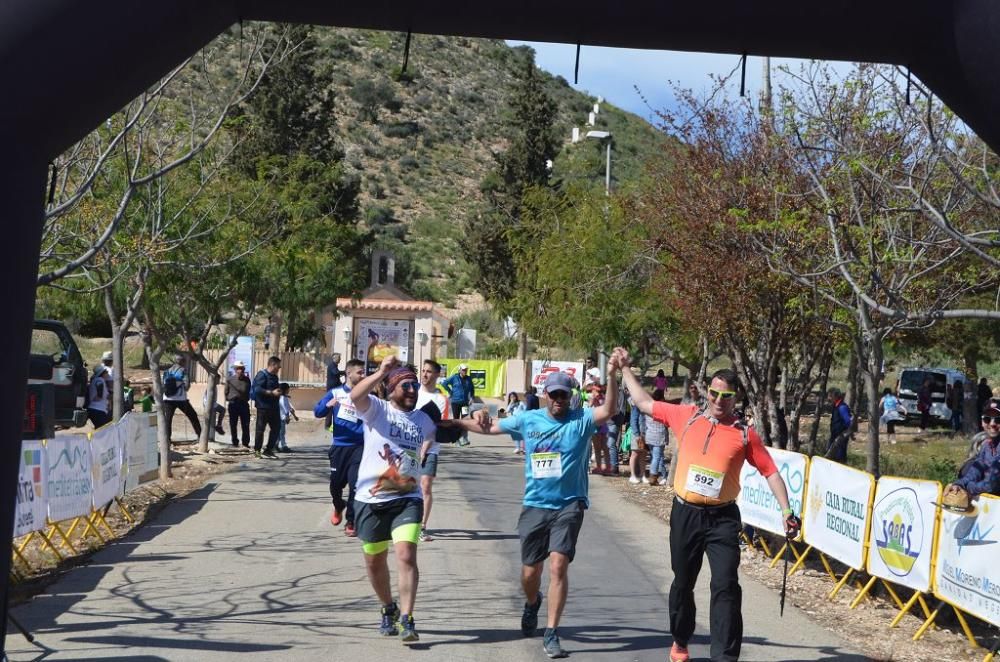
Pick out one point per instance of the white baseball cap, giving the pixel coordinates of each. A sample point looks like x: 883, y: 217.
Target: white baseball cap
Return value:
x: 462, y: 366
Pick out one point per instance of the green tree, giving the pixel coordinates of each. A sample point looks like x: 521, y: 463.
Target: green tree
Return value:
x: 524, y: 164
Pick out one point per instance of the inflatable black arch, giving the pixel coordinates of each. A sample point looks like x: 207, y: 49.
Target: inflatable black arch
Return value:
x: 66, y: 65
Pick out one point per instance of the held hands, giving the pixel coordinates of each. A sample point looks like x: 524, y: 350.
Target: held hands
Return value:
x: 482, y: 419
x: 624, y: 360
x: 792, y: 526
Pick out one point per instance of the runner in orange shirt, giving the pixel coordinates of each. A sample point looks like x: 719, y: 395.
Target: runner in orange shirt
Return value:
x: 711, y: 446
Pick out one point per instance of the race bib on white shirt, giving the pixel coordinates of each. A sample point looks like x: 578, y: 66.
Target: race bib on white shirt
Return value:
x: 705, y: 482
x: 546, y: 465
x: 408, y: 464
x: 345, y: 410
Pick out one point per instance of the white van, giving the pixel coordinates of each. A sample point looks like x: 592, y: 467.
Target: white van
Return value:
x: 912, y: 379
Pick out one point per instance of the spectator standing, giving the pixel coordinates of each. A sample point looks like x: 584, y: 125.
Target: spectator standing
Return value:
x: 99, y: 391
x: 531, y: 399
x: 108, y: 359
x: 656, y: 441
x: 956, y: 401
x: 265, y: 391
x: 461, y: 391
x: 637, y: 445
x: 147, y: 401
x: 840, y: 427
x: 333, y: 377
x: 237, y: 395
x: 890, y: 406
x: 175, y: 396
x: 660, y: 384
x: 924, y: 404
x: 287, y: 414
x: 983, y: 394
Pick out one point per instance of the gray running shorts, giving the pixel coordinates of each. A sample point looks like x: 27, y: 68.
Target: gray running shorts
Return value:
x: 543, y: 531
x: 430, y: 467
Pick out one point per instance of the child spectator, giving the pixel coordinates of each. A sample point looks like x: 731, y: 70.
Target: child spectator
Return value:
x: 287, y: 412
x: 146, y: 401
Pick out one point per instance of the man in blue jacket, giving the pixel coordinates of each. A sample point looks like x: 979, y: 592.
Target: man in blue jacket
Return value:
x: 266, y: 391
x: 461, y: 391
x: 348, y: 444
x: 840, y: 427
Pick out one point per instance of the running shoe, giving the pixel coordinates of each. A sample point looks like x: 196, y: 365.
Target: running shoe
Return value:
x: 424, y: 536
x: 257, y: 454
x: 336, y: 517
x: 269, y: 455
x: 679, y: 653
x: 551, y: 646
x: 408, y: 630
x: 529, y: 617
x: 350, y: 531
x: 634, y: 480
x: 390, y: 620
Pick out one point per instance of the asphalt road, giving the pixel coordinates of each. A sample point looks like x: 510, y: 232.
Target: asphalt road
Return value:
x: 249, y: 565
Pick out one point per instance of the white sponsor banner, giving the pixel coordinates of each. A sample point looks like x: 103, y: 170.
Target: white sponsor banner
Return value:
x: 139, y: 449
x: 106, y: 467
x: 758, y: 507
x: 541, y: 369
x: 70, y: 486
x: 32, y: 505
x: 901, y: 541
x: 967, y: 574
x: 838, y: 510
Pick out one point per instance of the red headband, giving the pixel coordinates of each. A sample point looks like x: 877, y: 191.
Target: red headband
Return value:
x: 400, y: 375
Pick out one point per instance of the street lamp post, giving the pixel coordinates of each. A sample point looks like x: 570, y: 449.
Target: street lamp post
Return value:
x: 604, y: 135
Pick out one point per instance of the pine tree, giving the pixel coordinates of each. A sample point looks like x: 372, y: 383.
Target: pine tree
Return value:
x: 531, y: 144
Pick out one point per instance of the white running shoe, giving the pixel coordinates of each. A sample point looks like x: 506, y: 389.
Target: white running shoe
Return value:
x: 634, y: 480
x: 645, y: 481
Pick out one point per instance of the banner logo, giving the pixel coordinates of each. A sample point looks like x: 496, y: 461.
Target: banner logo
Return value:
x: 33, y: 462
x: 899, y: 530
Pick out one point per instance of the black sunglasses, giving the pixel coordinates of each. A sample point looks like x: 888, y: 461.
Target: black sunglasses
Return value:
x: 557, y: 395
x: 995, y: 420
x: 411, y: 386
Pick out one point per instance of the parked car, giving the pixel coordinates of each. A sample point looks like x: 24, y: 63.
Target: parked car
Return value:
x: 912, y: 379
x: 55, y: 359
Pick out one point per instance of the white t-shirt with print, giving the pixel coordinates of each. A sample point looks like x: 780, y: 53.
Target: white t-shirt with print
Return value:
x: 440, y: 400
x: 390, y: 462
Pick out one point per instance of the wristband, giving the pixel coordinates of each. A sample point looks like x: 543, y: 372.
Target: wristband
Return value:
x: 787, y: 511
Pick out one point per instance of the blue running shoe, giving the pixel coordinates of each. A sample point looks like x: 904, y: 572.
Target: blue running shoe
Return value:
x: 408, y: 630
x: 390, y: 620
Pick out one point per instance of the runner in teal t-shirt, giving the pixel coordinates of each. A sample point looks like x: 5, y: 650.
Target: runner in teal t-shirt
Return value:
x: 556, y: 453
x: 556, y: 448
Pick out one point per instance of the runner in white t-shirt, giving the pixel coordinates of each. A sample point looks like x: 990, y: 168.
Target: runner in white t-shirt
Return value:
x: 389, y: 507
x: 429, y: 394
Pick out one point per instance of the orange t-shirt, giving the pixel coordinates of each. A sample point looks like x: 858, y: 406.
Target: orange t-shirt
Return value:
x: 708, y: 452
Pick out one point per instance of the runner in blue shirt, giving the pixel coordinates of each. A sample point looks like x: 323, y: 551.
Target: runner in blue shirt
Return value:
x: 557, y: 448
x: 347, y: 445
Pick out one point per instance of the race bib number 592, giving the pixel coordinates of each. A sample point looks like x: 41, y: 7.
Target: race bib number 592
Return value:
x: 705, y: 482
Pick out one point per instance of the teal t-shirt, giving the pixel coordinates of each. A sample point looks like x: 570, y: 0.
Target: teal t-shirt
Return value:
x: 557, y: 455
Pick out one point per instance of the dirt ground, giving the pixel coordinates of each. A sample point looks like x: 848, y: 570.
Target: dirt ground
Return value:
x: 866, y: 627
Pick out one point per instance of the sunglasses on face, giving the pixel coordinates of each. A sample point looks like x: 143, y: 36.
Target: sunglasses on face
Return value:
x: 991, y: 420
x: 716, y: 394
x: 558, y: 395
x: 410, y: 386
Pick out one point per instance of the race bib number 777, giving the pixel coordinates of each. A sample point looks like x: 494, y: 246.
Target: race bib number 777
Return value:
x: 546, y: 465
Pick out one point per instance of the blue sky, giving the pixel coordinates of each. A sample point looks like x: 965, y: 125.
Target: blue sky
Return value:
x: 614, y: 73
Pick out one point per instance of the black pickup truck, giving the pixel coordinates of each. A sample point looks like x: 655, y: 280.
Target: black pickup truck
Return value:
x: 55, y: 359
